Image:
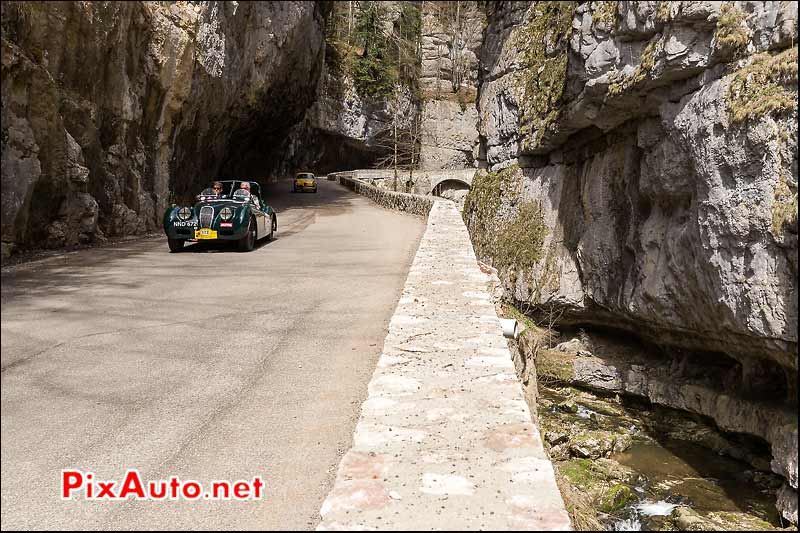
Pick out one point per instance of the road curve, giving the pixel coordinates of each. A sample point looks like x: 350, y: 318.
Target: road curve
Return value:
x: 208, y: 364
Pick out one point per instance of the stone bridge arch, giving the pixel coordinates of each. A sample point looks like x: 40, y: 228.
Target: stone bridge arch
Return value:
x: 449, y: 184
x: 453, y: 180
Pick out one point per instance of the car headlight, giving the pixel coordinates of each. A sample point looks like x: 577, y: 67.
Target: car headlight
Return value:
x: 226, y: 213
x: 184, y: 213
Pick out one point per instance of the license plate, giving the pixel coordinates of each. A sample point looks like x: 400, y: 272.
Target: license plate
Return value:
x: 205, y: 234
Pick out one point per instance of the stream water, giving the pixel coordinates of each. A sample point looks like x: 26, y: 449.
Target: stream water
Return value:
x: 675, y: 477
x: 682, y: 473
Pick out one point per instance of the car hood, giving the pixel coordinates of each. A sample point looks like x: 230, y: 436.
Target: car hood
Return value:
x: 219, y: 203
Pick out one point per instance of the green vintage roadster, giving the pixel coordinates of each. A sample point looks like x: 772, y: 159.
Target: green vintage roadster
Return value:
x: 232, y: 213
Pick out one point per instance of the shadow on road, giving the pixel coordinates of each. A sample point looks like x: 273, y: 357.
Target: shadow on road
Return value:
x: 222, y: 246
x: 72, y: 271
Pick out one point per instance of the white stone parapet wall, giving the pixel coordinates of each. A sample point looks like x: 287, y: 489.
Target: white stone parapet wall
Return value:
x: 410, y: 203
x: 445, y: 439
x: 424, y: 181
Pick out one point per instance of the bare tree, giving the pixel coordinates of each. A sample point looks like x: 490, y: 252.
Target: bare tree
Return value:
x: 400, y: 139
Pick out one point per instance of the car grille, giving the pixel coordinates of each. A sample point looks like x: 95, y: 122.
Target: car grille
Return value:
x: 206, y: 216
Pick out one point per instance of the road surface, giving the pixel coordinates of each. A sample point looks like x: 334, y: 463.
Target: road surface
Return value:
x: 208, y: 364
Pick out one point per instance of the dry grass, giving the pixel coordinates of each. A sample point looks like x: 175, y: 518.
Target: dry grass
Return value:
x: 645, y: 67
x: 732, y: 33
x: 664, y: 11
x: 553, y: 367
x: 763, y: 87
x: 784, y: 207
x: 605, y: 13
x: 579, y: 504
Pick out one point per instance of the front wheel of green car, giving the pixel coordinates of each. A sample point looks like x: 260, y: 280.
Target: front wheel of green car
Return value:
x: 175, y: 245
x: 248, y: 242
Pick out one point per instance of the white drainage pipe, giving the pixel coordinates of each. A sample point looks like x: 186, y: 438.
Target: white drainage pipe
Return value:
x: 511, y: 328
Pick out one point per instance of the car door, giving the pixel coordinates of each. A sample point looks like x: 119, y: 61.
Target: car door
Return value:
x: 261, y: 218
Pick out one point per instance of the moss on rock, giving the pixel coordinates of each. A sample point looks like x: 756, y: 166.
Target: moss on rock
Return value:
x: 520, y: 241
x: 542, y: 45
x: 481, y: 207
x: 579, y: 473
x: 732, y: 33
x: 553, y: 366
x: 516, y: 242
x: 763, y: 87
x: 784, y: 206
x: 615, y: 498
x: 646, y: 64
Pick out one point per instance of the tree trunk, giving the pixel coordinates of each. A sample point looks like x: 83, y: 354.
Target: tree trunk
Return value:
x: 349, y: 21
x: 395, y: 151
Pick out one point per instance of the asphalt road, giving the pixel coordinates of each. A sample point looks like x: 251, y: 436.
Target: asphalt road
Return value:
x: 208, y: 364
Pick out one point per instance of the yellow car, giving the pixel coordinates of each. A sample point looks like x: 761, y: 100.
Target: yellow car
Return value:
x: 304, y: 181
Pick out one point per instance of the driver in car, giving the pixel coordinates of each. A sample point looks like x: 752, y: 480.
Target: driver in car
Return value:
x: 217, y: 188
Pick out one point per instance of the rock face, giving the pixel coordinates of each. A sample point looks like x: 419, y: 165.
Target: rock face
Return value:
x: 664, y: 163
x: 107, y: 107
x: 452, y: 36
x: 657, y: 142
x: 343, y: 130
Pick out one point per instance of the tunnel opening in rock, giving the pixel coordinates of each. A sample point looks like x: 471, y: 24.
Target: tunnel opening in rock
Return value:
x: 324, y: 152
x: 333, y: 152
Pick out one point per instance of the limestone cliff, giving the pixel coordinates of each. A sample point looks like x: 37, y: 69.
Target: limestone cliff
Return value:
x: 108, y: 107
x: 665, y: 169
x: 452, y: 35
x: 644, y: 159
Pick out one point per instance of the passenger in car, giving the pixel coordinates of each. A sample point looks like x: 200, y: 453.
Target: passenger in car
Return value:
x: 245, y: 185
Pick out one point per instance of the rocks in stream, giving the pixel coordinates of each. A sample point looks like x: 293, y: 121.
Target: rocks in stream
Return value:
x: 752, y: 430
x: 587, y: 436
x: 596, y: 444
x: 686, y: 519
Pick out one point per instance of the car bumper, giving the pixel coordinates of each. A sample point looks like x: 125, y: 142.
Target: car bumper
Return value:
x: 223, y: 234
